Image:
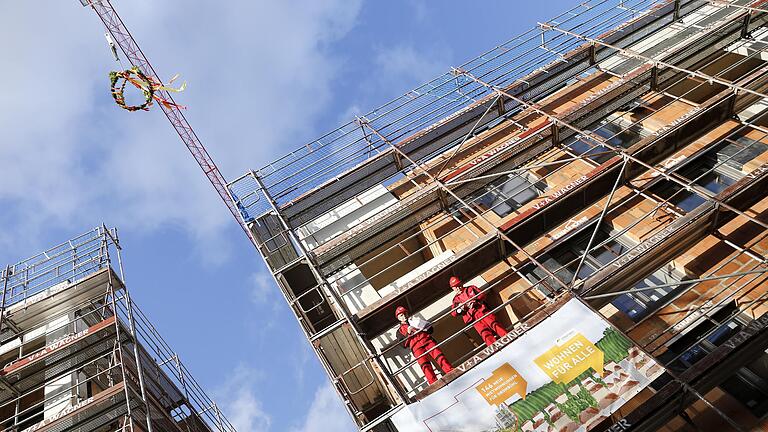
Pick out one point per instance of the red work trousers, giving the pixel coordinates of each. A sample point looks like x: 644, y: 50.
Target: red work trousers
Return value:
x: 426, y: 365
x: 488, y: 327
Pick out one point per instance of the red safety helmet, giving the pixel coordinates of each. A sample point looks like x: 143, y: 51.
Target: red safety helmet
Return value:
x: 454, y: 282
x: 401, y: 310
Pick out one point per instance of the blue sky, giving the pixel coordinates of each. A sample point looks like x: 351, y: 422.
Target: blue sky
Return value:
x: 264, y: 77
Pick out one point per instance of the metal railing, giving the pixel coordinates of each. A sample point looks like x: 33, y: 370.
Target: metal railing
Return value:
x: 69, y: 321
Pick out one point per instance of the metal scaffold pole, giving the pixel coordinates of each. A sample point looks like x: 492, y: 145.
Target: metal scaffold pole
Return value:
x: 6, y: 276
x: 84, y: 352
x: 139, y: 368
x: 336, y: 298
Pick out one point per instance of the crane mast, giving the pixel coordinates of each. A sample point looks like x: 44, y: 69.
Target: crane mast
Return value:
x: 122, y: 38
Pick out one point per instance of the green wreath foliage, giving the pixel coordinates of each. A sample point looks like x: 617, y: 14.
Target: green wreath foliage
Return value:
x: 118, y: 92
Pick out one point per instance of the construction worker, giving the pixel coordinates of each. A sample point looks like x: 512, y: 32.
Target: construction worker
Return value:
x: 469, y: 303
x: 415, y: 332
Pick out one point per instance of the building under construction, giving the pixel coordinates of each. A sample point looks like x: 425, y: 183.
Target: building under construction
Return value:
x: 602, y: 179
x: 78, y: 355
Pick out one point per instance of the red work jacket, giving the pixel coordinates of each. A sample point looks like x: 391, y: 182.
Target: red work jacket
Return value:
x: 467, y: 295
x: 414, y: 340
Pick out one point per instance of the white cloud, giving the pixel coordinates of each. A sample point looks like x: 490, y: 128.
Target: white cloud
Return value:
x: 404, y: 64
x: 302, y: 363
x: 239, y: 403
x: 268, y: 306
x: 396, y: 70
x: 246, y: 414
x: 326, y: 413
x: 70, y: 157
x: 350, y: 113
x: 238, y: 400
x: 259, y: 74
x: 262, y: 287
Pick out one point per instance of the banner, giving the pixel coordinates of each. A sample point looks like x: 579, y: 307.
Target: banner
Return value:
x: 567, y: 373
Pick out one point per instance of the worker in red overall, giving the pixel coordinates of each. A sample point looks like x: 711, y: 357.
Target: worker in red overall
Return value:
x: 415, y: 333
x: 469, y: 303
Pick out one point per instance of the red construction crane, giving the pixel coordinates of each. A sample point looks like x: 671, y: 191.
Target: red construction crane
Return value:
x: 122, y: 38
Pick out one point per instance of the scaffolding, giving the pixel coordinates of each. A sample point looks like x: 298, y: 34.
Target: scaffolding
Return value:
x: 78, y: 355
x: 617, y: 153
